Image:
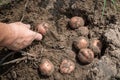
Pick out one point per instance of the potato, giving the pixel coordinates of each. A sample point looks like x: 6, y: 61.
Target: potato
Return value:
x: 81, y: 43
x: 96, y: 46
x: 46, y: 67
x: 82, y: 31
x: 43, y: 28
x: 76, y: 22
x: 67, y: 66
x: 86, y: 56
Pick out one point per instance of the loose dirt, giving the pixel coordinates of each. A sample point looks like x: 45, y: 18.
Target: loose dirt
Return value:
x: 57, y: 44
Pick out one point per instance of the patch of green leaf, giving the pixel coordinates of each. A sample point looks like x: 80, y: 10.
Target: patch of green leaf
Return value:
x: 104, y: 5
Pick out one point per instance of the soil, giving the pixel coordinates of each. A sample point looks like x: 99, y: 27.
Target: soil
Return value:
x: 57, y: 43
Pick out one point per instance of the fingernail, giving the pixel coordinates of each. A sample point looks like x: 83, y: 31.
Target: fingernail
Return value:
x: 28, y: 25
x: 39, y: 36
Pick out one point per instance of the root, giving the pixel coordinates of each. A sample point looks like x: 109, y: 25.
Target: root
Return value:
x: 24, y: 11
x: 14, y: 61
x: 25, y: 55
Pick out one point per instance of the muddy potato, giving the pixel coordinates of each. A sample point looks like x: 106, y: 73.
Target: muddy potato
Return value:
x: 86, y: 56
x: 76, y: 22
x: 81, y: 43
x: 43, y: 28
x: 82, y: 31
x: 67, y: 66
x: 96, y: 46
x: 46, y: 67
x: 71, y: 53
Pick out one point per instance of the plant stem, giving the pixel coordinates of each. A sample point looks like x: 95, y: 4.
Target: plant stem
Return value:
x: 104, y: 8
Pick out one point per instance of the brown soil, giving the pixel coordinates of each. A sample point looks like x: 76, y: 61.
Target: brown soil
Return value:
x: 56, y: 44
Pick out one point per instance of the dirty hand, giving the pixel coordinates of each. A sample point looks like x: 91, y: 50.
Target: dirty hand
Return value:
x: 22, y: 36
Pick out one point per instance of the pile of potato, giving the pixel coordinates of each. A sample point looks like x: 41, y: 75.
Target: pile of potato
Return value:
x: 87, y: 48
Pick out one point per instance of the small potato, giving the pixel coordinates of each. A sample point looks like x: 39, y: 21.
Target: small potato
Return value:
x: 46, y: 67
x: 86, y: 56
x: 81, y: 43
x: 76, y: 22
x: 96, y: 46
x: 43, y: 28
x: 67, y: 66
x: 82, y: 31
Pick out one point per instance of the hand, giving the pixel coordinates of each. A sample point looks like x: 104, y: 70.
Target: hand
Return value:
x: 22, y: 36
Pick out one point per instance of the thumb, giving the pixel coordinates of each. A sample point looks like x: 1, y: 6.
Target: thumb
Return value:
x: 38, y: 36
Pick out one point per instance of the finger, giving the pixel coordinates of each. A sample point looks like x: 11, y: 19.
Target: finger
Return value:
x: 19, y: 23
x: 24, y: 25
x: 28, y: 26
x: 38, y: 36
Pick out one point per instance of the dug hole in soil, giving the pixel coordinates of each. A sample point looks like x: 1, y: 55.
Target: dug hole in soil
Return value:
x: 56, y: 44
